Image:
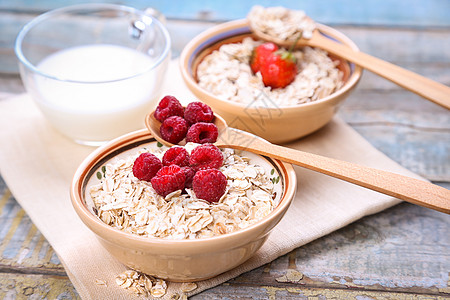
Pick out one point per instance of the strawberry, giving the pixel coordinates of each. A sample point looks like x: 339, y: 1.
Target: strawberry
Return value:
x: 279, y: 69
x: 260, y: 54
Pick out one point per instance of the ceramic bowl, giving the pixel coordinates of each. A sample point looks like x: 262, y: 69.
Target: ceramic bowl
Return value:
x: 175, y: 260
x: 276, y: 125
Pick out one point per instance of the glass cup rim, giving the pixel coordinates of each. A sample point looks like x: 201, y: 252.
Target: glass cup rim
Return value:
x: 44, y: 16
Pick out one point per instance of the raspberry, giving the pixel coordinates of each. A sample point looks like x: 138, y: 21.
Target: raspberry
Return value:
x: 146, y: 166
x: 198, y: 112
x: 206, y: 156
x: 167, y: 107
x: 202, y: 133
x: 174, y: 129
x: 168, y: 179
x: 189, y: 173
x: 209, y: 185
x: 176, y: 156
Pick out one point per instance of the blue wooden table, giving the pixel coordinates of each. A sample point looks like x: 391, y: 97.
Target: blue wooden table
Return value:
x: 401, y: 253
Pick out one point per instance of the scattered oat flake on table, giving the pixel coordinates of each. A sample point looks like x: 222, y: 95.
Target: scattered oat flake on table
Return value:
x: 159, y: 289
x: 188, y: 286
x: 141, y: 284
x: 101, y: 282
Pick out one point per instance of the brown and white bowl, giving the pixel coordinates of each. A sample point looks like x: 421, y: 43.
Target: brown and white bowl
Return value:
x: 175, y: 260
x: 277, y: 125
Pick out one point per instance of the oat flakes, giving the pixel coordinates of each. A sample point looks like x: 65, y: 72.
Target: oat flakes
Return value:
x: 101, y: 282
x: 128, y: 204
x: 141, y: 284
x: 280, y: 22
x: 187, y: 287
x: 226, y: 73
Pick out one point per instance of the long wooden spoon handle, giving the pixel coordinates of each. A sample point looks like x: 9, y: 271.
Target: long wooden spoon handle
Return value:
x: 402, y: 187
x: 425, y: 87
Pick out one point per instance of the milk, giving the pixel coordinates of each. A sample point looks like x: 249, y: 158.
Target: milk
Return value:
x: 92, y: 102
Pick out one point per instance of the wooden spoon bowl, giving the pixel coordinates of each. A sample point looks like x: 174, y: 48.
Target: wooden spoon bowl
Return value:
x: 153, y: 125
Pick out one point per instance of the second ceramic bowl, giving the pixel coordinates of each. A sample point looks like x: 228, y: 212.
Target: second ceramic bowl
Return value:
x: 276, y: 125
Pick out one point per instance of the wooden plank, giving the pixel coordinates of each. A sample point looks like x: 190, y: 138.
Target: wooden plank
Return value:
x: 402, y: 46
x: 410, y: 13
x: 407, y: 128
x: 23, y: 249
x: 237, y: 291
x: 421, y: 51
x: 402, y: 249
x: 401, y: 252
x: 19, y: 286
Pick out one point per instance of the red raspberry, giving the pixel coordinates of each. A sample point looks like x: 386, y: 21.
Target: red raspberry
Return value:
x: 189, y: 173
x: 198, y: 112
x: 168, y: 179
x: 176, y: 156
x: 202, y: 133
x: 209, y: 185
x: 167, y: 107
x: 206, y: 156
x: 146, y: 166
x: 174, y: 129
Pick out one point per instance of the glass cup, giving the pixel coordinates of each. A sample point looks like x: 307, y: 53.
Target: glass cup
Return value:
x: 94, y: 70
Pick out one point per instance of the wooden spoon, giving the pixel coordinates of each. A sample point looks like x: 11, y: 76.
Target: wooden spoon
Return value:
x: 402, y: 187
x: 427, y: 88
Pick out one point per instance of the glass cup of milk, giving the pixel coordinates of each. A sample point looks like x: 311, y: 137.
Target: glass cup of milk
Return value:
x: 94, y: 70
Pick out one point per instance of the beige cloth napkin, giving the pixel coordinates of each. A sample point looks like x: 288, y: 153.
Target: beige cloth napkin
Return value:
x: 37, y: 164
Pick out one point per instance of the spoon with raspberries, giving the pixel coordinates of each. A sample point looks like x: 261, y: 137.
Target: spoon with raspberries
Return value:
x: 171, y: 124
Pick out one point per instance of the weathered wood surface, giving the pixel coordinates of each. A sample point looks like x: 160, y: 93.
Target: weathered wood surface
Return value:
x: 401, y: 253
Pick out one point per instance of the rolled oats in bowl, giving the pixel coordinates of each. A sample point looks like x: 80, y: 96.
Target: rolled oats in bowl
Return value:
x: 219, y: 68
x: 226, y: 73
x: 126, y: 203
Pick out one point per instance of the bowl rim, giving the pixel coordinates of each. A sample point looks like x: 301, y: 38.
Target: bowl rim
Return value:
x: 198, y: 44
x: 102, y: 229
